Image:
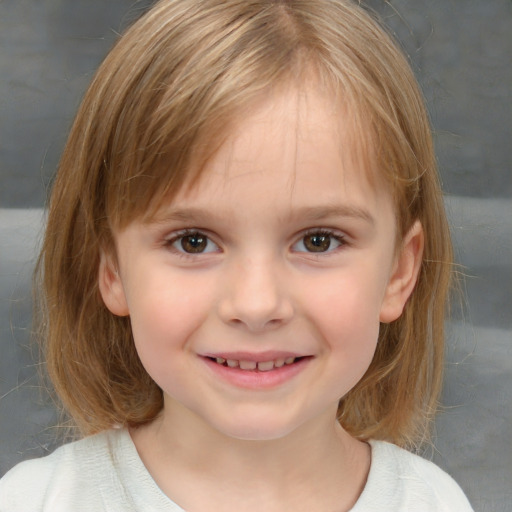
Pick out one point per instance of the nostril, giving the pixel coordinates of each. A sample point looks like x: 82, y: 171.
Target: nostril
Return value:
x: 254, y: 306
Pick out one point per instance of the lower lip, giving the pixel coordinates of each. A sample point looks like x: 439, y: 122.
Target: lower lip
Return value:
x: 254, y: 379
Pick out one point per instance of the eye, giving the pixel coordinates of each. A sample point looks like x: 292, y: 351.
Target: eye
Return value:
x: 193, y: 243
x: 319, y: 241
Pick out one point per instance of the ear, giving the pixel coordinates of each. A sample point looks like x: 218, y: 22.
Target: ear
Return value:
x: 111, y: 286
x: 404, y: 275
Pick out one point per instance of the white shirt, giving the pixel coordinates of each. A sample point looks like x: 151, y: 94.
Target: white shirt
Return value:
x: 105, y: 473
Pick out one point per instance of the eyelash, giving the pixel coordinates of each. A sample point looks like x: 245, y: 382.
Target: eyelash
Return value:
x: 327, y: 233
x: 170, y: 242
x: 332, y: 235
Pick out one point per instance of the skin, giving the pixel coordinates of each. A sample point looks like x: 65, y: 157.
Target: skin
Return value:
x: 260, y: 289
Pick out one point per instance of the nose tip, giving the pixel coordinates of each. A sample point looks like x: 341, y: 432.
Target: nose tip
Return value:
x: 258, y: 320
x: 256, y: 299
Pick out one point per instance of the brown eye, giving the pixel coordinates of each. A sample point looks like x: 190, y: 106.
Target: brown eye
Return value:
x: 194, y: 243
x: 317, y: 242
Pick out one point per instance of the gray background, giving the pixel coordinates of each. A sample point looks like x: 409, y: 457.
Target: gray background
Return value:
x: 461, y: 53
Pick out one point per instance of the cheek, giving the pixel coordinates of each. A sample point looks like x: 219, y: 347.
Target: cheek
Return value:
x: 166, y: 309
x: 162, y: 324
x: 346, y: 313
x: 352, y: 298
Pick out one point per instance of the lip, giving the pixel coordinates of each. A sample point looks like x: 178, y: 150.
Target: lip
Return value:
x: 259, y: 357
x: 254, y: 379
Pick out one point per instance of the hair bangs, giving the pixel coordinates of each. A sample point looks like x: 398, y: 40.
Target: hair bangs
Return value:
x: 177, y: 111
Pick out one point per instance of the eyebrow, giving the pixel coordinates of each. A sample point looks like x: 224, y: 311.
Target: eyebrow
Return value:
x: 311, y: 213
x: 182, y: 214
x: 317, y: 213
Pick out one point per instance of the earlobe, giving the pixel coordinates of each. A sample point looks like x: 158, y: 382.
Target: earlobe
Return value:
x: 405, y: 274
x: 111, y: 287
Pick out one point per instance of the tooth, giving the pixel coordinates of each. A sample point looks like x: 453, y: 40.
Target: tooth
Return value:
x: 220, y: 360
x: 278, y: 363
x: 289, y: 360
x: 248, y: 365
x: 265, y: 366
x: 232, y: 363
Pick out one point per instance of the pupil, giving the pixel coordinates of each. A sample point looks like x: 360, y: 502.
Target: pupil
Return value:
x: 317, y: 243
x: 193, y: 243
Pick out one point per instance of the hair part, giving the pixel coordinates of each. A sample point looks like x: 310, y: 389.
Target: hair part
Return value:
x: 159, y: 106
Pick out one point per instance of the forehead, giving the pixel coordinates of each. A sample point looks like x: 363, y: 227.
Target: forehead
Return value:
x: 293, y: 141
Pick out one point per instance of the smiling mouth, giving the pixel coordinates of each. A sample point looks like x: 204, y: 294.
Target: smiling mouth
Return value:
x: 256, y: 366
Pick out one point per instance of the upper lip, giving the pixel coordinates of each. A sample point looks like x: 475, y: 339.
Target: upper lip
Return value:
x: 258, y: 357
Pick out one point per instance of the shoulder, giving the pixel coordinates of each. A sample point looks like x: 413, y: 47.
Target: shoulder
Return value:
x: 61, y: 479
x: 400, y: 481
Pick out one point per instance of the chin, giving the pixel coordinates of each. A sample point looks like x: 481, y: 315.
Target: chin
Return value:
x: 259, y: 429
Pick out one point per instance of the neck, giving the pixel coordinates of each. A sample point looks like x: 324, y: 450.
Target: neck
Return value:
x: 316, y: 467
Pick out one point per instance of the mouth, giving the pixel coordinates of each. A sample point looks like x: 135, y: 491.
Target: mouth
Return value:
x: 263, y: 371
x: 257, y: 366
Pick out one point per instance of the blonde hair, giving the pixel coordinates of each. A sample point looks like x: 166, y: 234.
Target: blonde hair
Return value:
x: 164, y: 95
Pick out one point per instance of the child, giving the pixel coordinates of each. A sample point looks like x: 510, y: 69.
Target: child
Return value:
x: 244, y: 271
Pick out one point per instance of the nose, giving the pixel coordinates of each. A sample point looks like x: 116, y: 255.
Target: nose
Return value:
x: 256, y: 296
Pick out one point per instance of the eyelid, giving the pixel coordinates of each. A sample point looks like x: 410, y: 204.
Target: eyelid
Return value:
x: 175, y: 236
x: 336, y: 234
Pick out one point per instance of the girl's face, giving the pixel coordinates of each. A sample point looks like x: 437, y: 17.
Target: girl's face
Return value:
x: 255, y: 298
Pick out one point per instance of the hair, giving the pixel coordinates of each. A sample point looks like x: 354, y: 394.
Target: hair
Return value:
x: 165, y: 96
